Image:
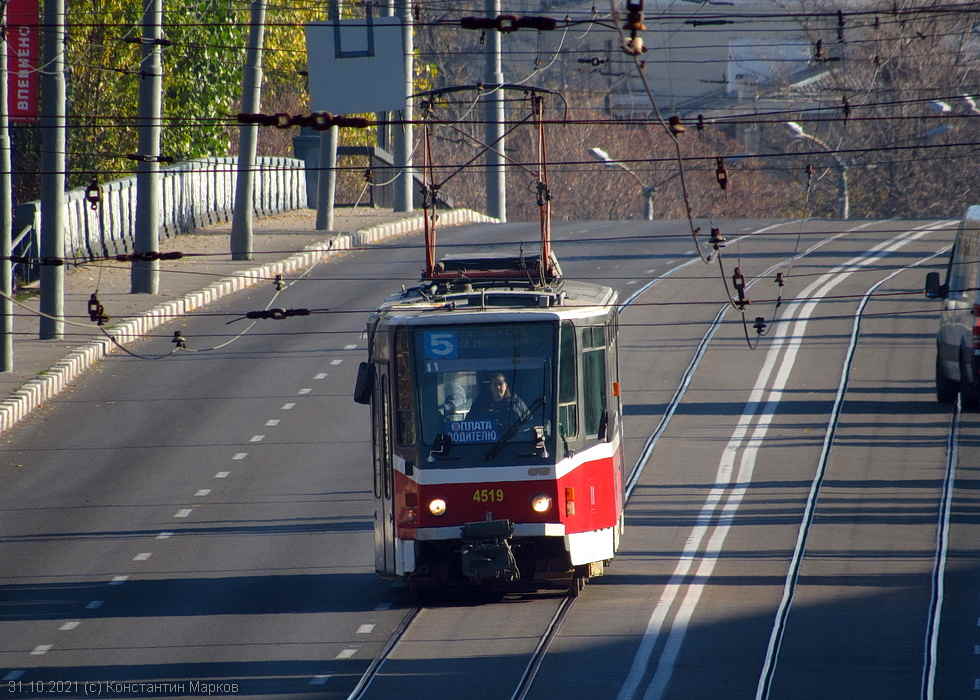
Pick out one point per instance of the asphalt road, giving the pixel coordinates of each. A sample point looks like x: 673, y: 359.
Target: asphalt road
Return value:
x: 206, y: 518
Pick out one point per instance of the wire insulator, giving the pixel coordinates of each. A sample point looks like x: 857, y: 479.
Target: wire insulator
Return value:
x: 738, y: 281
x: 675, y: 126
x: 779, y: 279
x: 845, y: 108
x: 179, y: 340
x: 96, y: 311
x: 149, y: 256
x: 93, y: 195
x: 717, y: 239
x: 700, y: 122
x: 544, y: 194
x: 759, y: 325
x: 279, y: 283
x: 721, y: 173
x: 277, y: 314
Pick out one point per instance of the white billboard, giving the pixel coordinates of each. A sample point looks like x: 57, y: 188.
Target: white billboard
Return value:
x: 356, y: 65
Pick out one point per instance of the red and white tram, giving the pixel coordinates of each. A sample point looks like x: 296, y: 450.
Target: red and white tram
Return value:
x: 496, y: 423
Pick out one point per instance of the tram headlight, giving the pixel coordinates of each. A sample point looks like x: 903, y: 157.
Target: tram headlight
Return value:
x: 541, y: 504
x: 437, y: 506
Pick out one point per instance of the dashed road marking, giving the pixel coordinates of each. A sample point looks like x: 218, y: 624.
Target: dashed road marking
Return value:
x: 94, y: 604
x: 143, y: 556
x: 288, y: 406
x: 272, y: 422
x: 630, y: 282
x: 41, y: 649
x: 319, y: 680
x: 321, y: 375
x: 222, y: 475
x: 305, y: 390
x: 350, y: 347
x: 118, y: 580
x: 346, y: 654
x: 335, y: 362
x: 183, y: 512
x: 365, y: 629
x: 69, y: 626
x: 165, y: 535
x: 14, y: 675
x: 202, y: 492
x: 257, y: 438
x: 239, y: 456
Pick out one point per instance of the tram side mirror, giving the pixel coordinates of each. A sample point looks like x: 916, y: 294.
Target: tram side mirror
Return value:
x: 364, y: 385
x: 540, y: 448
x: 934, y: 290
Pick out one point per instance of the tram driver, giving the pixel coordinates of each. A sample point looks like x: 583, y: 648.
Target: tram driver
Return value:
x: 500, y: 404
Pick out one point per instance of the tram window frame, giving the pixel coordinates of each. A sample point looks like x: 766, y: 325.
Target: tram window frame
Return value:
x: 594, y: 394
x: 567, y: 402
x: 406, y: 425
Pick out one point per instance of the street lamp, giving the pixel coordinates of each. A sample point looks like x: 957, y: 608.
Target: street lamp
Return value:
x: 648, y: 190
x: 843, y: 200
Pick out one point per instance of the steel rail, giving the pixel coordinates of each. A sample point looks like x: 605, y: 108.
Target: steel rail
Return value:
x: 541, y: 650
x: 372, y: 670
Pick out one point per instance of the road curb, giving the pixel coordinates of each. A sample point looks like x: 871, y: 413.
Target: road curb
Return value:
x: 34, y: 393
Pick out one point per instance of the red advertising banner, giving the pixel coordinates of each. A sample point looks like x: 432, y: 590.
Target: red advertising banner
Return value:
x: 23, y: 42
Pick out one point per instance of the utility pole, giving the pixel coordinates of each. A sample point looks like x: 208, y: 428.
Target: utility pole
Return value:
x: 241, y: 225
x: 53, y: 147
x: 145, y: 274
x: 405, y: 188
x: 494, y: 117
x: 326, y: 179
x: 6, y: 212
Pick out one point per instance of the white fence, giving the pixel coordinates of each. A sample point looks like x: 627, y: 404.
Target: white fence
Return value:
x: 194, y: 193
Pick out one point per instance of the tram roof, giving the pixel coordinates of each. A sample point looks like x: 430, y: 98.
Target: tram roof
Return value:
x: 568, y: 300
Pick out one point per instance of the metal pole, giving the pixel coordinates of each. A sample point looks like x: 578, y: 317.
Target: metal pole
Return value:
x: 405, y: 191
x: 241, y: 226
x: 145, y: 274
x: 6, y: 214
x: 326, y: 181
x: 648, y: 193
x: 53, y: 146
x: 494, y: 116
x: 843, y: 197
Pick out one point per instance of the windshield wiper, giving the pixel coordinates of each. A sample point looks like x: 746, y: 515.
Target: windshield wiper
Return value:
x: 514, y: 427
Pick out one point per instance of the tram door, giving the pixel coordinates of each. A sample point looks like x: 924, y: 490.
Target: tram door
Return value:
x: 384, y: 518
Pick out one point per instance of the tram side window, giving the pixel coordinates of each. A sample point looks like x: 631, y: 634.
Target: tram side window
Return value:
x: 567, y: 395
x: 404, y: 407
x: 593, y: 377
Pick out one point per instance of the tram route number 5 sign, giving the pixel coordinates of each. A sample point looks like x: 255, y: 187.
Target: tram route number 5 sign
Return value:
x: 440, y: 345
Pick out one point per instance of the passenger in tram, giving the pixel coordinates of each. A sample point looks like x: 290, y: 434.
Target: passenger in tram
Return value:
x: 500, y: 404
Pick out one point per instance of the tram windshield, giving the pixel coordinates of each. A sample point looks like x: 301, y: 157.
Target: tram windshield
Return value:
x: 485, y: 391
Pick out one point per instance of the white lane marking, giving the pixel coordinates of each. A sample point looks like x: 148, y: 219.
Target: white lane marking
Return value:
x: 365, y: 629
x: 931, y: 660
x: 164, y: 535
x: 319, y: 680
x: 346, y: 654
x: 222, y: 475
x: 118, y: 580
x: 305, y: 390
x: 669, y: 262
x: 288, y: 407
x: 726, y: 465
x: 257, y: 438
x: 70, y: 625
x: 239, y: 456
x: 41, y: 649
x: 383, y: 606
x: 321, y: 375
x: 272, y: 422
x: 335, y: 362
x: 94, y: 604
x: 143, y: 556
x: 350, y: 347
x: 202, y: 492
x: 630, y: 282
x: 14, y: 675
x: 183, y: 512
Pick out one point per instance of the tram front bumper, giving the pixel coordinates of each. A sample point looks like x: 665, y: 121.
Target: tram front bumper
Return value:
x: 486, y: 554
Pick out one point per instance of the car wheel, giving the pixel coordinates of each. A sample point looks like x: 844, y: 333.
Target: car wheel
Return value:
x: 946, y: 389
